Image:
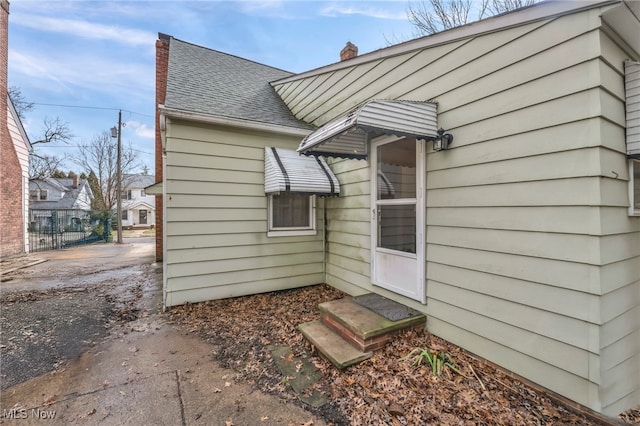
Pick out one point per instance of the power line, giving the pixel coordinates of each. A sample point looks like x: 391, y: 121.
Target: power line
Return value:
x: 82, y: 146
x: 93, y: 107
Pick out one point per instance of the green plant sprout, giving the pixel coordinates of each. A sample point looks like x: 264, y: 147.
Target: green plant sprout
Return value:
x: 438, y: 361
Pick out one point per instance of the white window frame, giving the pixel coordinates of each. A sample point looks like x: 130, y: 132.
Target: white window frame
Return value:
x: 634, y: 187
x: 43, y: 195
x: 292, y: 231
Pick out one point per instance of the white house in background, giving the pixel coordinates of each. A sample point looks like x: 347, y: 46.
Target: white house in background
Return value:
x: 138, y: 207
x: 72, y: 195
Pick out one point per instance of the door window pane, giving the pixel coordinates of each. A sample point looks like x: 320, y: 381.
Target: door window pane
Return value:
x: 397, y: 170
x: 397, y: 227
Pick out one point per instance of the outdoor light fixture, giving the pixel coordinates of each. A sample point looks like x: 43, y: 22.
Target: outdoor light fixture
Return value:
x: 442, y: 141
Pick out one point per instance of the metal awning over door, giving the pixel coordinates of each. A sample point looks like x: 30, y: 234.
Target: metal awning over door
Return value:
x: 287, y: 171
x: 348, y: 135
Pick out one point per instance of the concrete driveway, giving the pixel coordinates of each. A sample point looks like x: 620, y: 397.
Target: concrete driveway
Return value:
x: 84, y: 341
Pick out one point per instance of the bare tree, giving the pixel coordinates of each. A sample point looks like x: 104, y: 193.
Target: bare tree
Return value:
x: 54, y: 130
x: 100, y: 157
x: 496, y: 7
x: 44, y: 166
x: 21, y: 105
x: 433, y: 16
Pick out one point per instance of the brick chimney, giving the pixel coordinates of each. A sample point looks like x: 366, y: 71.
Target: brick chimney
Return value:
x: 75, y: 181
x: 162, y: 71
x: 349, y: 51
x: 4, y: 61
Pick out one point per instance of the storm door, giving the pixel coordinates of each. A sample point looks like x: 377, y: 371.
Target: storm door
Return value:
x: 143, y: 217
x: 397, y: 220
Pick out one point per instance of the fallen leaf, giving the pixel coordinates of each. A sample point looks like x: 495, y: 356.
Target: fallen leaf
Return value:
x: 50, y: 400
x: 263, y: 418
x: 229, y: 423
x: 227, y: 384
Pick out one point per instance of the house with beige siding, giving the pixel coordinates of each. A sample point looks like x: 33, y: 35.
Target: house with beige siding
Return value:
x: 487, y: 176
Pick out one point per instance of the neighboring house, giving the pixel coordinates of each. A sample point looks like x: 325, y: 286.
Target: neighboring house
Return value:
x: 138, y: 207
x: 18, y: 227
x: 69, y: 198
x: 519, y: 239
x: 14, y: 152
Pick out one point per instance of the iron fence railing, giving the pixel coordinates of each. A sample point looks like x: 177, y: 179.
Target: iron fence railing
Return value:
x: 58, y: 229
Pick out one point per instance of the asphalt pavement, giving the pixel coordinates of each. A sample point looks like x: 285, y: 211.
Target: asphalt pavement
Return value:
x: 140, y: 371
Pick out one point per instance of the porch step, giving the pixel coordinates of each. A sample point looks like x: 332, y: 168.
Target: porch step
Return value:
x: 348, y: 332
x: 333, y: 347
x: 363, y: 328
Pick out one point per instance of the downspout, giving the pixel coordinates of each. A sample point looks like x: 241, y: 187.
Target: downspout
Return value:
x: 324, y: 240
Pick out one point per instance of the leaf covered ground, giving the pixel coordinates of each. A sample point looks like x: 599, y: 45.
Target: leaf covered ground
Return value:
x: 381, y: 390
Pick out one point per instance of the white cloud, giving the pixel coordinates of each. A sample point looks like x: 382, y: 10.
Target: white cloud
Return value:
x: 33, y: 67
x: 141, y: 129
x: 86, y: 30
x: 72, y: 72
x: 334, y: 10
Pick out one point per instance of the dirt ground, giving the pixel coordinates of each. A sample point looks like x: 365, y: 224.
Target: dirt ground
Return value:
x: 54, y: 305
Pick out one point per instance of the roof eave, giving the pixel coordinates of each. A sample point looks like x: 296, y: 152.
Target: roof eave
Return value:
x: 232, y: 122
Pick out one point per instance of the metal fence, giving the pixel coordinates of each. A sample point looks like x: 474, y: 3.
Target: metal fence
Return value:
x: 58, y: 229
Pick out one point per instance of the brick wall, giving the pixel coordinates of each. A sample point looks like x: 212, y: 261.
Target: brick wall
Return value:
x: 11, y: 226
x: 162, y: 68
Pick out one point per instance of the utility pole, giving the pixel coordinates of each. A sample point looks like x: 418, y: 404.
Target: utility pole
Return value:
x: 119, y: 179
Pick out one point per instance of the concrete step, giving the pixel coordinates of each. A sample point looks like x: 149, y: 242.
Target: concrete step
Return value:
x: 333, y: 347
x: 363, y: 328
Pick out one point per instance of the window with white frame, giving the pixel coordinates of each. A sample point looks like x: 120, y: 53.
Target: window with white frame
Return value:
x: 634, y: 187
x: 38, y: 195
x: 125, y: 214
x: 291, y: 214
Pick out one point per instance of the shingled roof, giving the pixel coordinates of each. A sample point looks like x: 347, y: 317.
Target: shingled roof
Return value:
x: 206, y: 81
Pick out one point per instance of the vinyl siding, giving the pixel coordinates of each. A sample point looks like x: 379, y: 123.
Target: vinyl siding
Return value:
x: 528, y: 242
x: 216, y: 218
x: 22, y: 151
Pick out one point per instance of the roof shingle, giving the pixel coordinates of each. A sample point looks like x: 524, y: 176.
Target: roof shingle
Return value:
x: 209, y: 82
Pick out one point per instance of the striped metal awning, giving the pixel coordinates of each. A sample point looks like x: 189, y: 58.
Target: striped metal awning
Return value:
x: 348, y: 135
x: 632, y: 89
x: 287, y: 171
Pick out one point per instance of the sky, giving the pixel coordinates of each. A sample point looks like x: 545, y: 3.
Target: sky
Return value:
x: 82, y: 61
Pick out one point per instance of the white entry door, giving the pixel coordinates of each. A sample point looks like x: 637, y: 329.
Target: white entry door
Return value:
x: 397, y: 216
